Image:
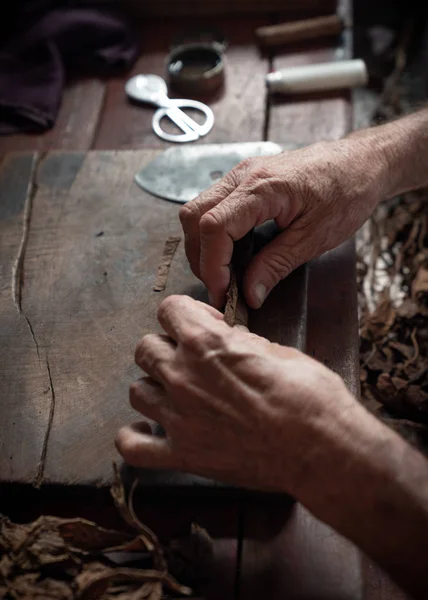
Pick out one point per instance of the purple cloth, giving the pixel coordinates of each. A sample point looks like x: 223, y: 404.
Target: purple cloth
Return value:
x: 36, y: 61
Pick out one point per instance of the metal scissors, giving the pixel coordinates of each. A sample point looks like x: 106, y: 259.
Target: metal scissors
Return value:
x: 153, y: 90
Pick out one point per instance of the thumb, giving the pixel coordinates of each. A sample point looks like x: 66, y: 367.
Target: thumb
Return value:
x: 140, y: 448
x: 272, y: 264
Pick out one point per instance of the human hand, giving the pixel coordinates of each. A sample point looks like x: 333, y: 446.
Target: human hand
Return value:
x: 234, y: 406
x: 318, y: 196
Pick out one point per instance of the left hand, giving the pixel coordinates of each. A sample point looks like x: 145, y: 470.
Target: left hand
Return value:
x: 234, y: 406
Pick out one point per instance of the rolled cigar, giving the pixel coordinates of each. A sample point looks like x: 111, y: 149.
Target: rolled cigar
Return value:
x: 297, y: 31
x: 323, y: 76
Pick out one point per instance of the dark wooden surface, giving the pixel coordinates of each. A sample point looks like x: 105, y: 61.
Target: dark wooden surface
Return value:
x: 79, y: 244
x: 216, y: 7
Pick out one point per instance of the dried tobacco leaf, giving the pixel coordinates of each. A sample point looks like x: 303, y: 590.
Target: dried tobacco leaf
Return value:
x: 169, y: 250
x: 156, y: 592
x: 55, y: 558
x: 403, y: 349
x: 12, y: 536
x: 88, y: 536
x: 30, y: 586
x: 377, y: 325
x: 95, y: 579
x: 420, y: 284
x: 408, y: 309
x: 122, y: 592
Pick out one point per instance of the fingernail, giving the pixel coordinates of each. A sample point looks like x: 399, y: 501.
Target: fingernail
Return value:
x: 260, y: 292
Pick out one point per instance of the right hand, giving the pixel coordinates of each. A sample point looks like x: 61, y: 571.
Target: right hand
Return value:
x: 318, y: 196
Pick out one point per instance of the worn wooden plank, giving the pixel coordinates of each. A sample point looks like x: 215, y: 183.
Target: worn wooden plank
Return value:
x: 238, y: 108
x: 93, y: 245
x: 333, y: 313
x: 94, y: 241
x: 75, y: 125
x: 25, y: 392
x: 304, y: 119
x: 209, y: 8
x: 308, y: 118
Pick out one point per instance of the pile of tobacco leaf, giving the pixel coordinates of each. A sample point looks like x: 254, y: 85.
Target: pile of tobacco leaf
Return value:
x: 393, y: 303
x: 65, y: 559
x: 394, y: 334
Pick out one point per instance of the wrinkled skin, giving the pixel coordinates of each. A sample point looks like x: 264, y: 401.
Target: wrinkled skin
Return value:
x: 316, y: 195
x: 234, y: 406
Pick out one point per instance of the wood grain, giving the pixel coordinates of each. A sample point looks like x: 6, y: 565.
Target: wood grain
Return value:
x: 75, y: 125
x: 239, y: 107
x: 333, y: 313
x: 287, y: 553
x: 93, y: 245
x: 309, y: 118
x: 25, y: 392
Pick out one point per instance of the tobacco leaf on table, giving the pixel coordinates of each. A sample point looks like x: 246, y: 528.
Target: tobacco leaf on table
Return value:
x: 394, y: 334
x: 95, y: 578
x: 393, y: 291
x: 169, y: 250
x: 53, y: 558
x: 420, y: 284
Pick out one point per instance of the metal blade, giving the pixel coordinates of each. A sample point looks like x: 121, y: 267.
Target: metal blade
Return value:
x: 180, y: 174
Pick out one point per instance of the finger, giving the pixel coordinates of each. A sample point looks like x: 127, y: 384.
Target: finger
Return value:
x: 149, y: 398
x: 251, y: 204
x: 191, y: 213
x: 182, y: 316
x: 272, y: 264
x: 144, y: 449
x: 154, y: 355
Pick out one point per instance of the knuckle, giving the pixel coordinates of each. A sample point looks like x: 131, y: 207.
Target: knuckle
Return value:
x: 177, y: 382
x: 127, y: 446
x: 203, y: 341
x: 150, y: 357
x: 143, y: 348
x: 211, y: 222
x: 189, y: 212
x: 279, y: 265
x: 260, y: 172
x: 134, y: 394
x: 167, y: 305
x: 245, y: 165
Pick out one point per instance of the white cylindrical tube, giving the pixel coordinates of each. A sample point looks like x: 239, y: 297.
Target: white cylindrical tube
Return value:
x: 322, y: 76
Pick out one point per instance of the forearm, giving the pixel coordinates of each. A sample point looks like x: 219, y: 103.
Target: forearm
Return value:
x: 373, y: 489
x: 402, y: 146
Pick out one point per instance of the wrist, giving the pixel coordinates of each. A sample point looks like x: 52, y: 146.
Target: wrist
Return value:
x: 373, y: 488
x: 401, y: 149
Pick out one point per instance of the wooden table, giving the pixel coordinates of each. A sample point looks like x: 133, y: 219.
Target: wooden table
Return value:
x: 79, y: 244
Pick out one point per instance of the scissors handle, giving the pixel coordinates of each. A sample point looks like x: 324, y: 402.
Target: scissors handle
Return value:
x: 190, y: 128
